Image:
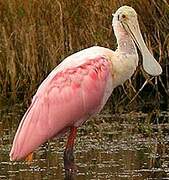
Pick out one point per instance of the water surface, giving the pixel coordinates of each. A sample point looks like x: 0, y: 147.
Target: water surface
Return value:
x: 120, y: 147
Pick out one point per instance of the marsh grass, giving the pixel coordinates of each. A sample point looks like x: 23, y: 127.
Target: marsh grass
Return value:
x: 36, y: 35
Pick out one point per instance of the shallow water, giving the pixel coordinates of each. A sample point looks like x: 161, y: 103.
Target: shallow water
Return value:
x: 107, y: 147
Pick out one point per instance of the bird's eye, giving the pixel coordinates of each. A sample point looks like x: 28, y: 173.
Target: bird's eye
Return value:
x: 123, y: 16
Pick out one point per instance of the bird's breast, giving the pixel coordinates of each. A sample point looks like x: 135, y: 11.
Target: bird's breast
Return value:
x: 123, y: 67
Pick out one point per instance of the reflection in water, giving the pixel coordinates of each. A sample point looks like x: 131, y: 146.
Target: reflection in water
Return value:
x: 104, y: 149
x: 69, y: 175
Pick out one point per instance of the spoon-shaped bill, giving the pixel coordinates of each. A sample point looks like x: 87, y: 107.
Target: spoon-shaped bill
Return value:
x: 150, y: 65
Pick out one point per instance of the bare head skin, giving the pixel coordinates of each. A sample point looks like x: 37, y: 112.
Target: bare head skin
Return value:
x: 125, y: 22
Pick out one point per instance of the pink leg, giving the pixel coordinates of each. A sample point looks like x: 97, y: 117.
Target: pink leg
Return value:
x: 68, y: 153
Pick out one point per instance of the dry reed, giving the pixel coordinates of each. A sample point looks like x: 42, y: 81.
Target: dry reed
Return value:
x: 36, y: 35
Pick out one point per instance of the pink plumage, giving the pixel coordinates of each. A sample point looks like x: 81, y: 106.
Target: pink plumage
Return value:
x: 80, y: 86
x: 66, y: 98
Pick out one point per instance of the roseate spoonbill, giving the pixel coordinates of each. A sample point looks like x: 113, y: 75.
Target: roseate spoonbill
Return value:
x: 79, y: 87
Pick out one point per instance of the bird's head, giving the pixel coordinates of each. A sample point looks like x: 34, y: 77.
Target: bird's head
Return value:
x: 125, y: 22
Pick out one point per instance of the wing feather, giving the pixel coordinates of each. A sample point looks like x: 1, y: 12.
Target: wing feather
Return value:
x: 67, y: 99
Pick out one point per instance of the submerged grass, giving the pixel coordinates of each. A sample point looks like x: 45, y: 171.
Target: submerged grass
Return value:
x: 36, y: 35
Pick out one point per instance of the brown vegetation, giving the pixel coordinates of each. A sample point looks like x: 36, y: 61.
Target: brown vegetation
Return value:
x: 36, y: 35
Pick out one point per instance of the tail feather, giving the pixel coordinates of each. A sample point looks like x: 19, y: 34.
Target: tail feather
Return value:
x: 30, y: 118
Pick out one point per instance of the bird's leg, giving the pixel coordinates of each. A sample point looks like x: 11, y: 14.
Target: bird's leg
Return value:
x: 68, y: 153
x: 29, y: 158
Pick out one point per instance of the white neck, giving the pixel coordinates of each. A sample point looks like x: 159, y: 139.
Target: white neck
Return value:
x: 124, y: 41
x: 126, y: 45
x: 126, y: 59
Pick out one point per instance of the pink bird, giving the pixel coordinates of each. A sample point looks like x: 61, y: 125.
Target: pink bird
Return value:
x: 79, y: 87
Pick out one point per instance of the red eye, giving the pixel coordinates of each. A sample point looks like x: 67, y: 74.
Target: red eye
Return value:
x: 123, y: 16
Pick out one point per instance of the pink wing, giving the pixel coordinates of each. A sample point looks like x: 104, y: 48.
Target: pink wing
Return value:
x: 67, y: 99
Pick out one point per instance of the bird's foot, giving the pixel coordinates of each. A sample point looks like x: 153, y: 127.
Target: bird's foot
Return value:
x: 69, y: 164
x: 29, y: 158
